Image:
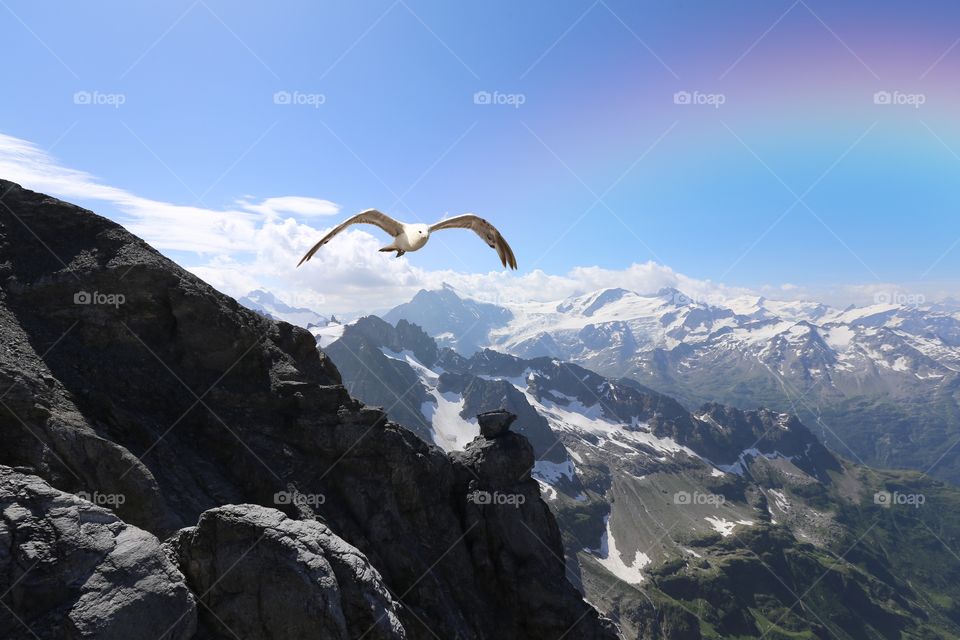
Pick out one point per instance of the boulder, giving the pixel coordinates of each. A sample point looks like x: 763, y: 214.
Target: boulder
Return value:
x: 70, y: 569
x: 261, y: 574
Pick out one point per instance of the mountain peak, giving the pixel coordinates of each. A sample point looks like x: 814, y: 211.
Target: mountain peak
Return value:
x: 261, y: 294
x: 605, y: 297
x: 455, y: 321
x: 674, y: 295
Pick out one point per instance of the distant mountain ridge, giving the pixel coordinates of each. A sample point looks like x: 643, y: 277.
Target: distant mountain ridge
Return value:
x: 880, y: 384
x: 268, y: 304
x: 459, y: 323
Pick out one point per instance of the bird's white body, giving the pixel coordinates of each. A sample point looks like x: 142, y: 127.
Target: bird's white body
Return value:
x: 413, y: 237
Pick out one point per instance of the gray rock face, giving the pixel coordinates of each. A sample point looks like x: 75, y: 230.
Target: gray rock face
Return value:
x: 184, y: 401
x: 495, y: 423
x: 258, y: 569
x: 69, y: 569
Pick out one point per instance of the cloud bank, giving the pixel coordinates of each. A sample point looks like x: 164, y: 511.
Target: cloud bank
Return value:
x: 255, y: 243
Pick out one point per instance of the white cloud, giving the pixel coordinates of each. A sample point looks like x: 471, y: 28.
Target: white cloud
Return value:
x: 298, y: 205
x: 165, y: 225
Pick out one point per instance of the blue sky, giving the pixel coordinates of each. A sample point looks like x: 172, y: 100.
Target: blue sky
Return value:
x: 799, y: 177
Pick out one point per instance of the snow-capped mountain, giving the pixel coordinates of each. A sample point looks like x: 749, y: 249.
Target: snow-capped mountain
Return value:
x: 268, y: 304
x: 325, y: 330
x: 459, y: 323
x: 877, y: 383
x: 663, y: 511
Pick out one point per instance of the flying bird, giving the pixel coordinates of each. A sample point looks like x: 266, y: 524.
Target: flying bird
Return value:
x: 411, y: 237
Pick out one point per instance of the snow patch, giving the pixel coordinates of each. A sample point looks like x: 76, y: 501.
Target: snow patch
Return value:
x: 552, y: 472
x: 546, y: 491
x: 739, y: 467
x: 451, y: 432
x: 725, y: 527
x: 780, y: 499
x: 609, y: 556
x: 327, y: 335
x: 576, y: 417
x: 430, y: 376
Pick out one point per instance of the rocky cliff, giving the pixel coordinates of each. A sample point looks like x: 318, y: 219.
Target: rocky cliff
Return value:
x: 138, y: 406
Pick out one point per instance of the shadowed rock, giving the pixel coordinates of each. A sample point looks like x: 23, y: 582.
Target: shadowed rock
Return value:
x: 515, y: 539
x: 495, y: 423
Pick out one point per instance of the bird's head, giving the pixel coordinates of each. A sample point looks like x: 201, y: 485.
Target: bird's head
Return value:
x: 421, y: 230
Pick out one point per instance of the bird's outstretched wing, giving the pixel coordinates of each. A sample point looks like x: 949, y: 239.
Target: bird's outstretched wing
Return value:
x: 370, y: 216
x: 487, y: 232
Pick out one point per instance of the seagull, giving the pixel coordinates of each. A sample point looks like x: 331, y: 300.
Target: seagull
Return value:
x: 411, y: 237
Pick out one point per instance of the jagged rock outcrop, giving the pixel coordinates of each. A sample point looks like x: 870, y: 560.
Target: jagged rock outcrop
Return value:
x: 70, y: 569
x: 495, y: 423
x: 507, y: 520
x: 125, y: 374
x: 480, y: 395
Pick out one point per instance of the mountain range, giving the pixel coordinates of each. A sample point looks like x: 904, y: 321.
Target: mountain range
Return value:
x: 266, y: 303
x: 878, y: 384
x: 712, y: 523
